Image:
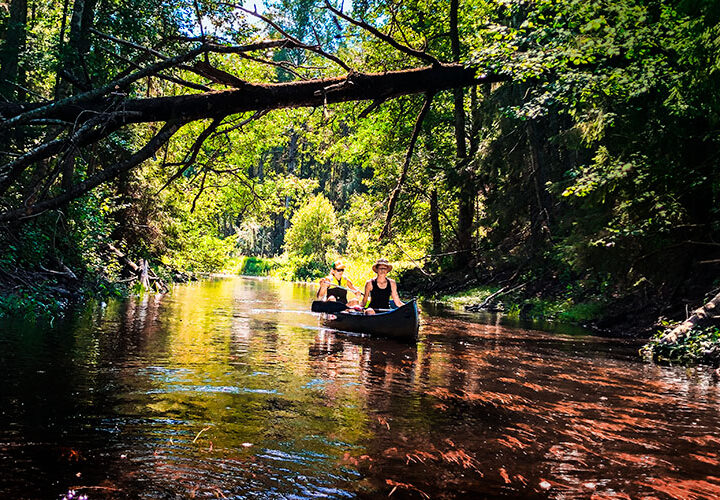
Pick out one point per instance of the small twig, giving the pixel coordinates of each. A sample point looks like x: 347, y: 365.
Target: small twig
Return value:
x: 127, y: 43
x: 413, y: 260
x: 201, y: 431
x: 192, y: 155
x: 385, y: 38
x: 300, y: 44
x: 502, y: 291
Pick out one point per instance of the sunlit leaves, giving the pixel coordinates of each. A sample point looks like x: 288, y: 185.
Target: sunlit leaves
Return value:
x: 313, y: 229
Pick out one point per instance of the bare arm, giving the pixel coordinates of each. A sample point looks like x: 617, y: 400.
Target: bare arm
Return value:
x: 368, y: 288
x: 323, y: 288
x: 394, y: 293
x: 352, y: 287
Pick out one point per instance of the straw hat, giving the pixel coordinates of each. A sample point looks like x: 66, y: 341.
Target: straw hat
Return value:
x: 382, y: 262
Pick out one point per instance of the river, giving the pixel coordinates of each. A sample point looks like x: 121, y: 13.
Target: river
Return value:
x: 230, y: 388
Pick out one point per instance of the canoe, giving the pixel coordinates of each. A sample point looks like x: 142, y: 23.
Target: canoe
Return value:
x: 401, y: 323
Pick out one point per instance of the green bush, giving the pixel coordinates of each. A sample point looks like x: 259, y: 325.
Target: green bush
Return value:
x: 204, y: 253
x: 301, y: 268
x: 314, y: 230
x: 256, y: 266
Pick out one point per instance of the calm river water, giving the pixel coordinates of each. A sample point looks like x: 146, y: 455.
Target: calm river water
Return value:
x: 230, y: 389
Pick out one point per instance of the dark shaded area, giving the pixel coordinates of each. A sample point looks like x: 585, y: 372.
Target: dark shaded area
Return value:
x: 231, y: 388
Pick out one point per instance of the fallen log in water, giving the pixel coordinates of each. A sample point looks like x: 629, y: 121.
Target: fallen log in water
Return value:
x: 141, y: 271
x: 704, y: 314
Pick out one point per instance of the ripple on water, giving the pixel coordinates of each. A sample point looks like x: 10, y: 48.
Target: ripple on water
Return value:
x: 229, y: 388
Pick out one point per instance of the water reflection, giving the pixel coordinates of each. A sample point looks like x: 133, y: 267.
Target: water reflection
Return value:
x: 230, y: 388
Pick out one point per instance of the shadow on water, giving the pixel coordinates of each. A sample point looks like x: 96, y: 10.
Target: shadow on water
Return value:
x: 231, y: 388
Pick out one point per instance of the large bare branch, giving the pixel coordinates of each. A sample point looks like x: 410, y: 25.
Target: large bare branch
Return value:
x: 217, y: 75
x: 403, y: 174
x: 173, y: 79
x: 79, y: 189
x: 423, y: 56
x: 118, y: 85
x: 312, y: 48
x: 254, y: 97
x: 93, y: 130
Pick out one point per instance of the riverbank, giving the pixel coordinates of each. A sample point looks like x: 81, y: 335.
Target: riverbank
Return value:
x: 45, y: 294
x: 548, y: 300
x: 630, y: 316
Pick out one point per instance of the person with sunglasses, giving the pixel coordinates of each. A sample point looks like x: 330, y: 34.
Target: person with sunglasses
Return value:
x: 381, y: 288
x: 335, y: 286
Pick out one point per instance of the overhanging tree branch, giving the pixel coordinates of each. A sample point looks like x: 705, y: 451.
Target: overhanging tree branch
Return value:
x: 423, y: 56
x: 77, y: 190
x: 254, y: 97
x: 91, y: 131
x: 403, y: 174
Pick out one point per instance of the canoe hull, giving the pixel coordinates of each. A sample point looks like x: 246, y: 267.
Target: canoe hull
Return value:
x: 401, y: 323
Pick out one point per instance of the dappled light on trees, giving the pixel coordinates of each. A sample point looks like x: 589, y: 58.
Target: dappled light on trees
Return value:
x: 561, y: 150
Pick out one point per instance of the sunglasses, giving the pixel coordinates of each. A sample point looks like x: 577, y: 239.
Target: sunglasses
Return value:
x: 339, y: 270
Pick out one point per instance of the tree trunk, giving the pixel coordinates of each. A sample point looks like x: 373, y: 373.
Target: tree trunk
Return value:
x: 539, y: 200
x: 291, y: 165
x: 253, y: 97
x: 72, y: 63
x: 435, y: 223
x: 466, y: 205
x: 10, y: 50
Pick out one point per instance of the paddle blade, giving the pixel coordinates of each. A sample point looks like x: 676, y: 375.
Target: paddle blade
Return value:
x: 320, y: 306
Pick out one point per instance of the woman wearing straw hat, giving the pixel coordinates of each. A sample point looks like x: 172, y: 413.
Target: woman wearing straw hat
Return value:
x: 381, y: 288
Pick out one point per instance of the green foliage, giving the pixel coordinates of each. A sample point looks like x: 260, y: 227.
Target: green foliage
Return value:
x: 471, y: 296
x: 293, y: 267
x: 313, y: 231
x: 204, y: 253
x: 700, y: 345
x: 256, y: 266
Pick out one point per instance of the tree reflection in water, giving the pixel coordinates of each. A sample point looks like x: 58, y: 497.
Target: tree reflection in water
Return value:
x: 231, y: 388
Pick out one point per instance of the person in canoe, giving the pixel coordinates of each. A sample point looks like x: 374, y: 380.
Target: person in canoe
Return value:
x: 381, y: 288
x: 335, y: 286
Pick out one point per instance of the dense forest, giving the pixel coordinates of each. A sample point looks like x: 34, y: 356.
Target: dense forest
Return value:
x: 563, y: 154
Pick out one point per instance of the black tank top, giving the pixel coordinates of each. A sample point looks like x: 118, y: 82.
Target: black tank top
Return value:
x: 380, y: 297
x: 339, y: 293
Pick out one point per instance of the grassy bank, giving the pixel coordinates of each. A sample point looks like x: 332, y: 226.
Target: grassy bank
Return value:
x: 518, y: 304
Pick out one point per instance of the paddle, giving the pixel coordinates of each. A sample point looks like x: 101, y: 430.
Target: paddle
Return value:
x: 333, y: 285
x: 330, y: 306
